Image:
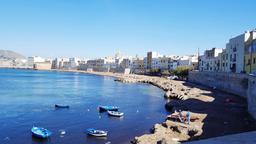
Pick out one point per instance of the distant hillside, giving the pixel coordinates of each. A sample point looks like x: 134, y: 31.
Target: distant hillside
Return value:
x: 10, y: 55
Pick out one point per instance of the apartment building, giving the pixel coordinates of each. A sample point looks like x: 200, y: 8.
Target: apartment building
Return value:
x: 211, y: 60
x: 250, y: 53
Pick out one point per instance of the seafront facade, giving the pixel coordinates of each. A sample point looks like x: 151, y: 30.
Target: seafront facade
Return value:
x: 239, y: 56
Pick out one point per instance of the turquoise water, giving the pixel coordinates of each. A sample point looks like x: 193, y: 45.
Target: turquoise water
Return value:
x: 27, y: 99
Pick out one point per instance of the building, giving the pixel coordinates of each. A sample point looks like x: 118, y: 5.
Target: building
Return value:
x: 102, y: 64
x: 172, y: 64
x: 152, y: 60
x: 191, y: 61
x: 58, y: 63
x: 164, y: 63
x: 47, y: 65
x: 238, y: 57
x: 138, y: 63
x: 33, y: 60
x: 73, y: 63
x: 235, y: 49
x: 250, y: 53
x: 211, y: 60
x: 126, y: 63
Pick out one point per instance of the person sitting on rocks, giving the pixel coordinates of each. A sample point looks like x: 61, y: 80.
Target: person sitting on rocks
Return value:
x: 188, y: 117
x: 180, y: 116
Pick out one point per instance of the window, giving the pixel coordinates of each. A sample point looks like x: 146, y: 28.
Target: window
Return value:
x: 249, y: 62
x: 254, y: 60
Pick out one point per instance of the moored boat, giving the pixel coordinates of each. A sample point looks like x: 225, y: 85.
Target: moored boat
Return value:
x: 61, y: 106
x: 97, y: 133
x: 115, y: 113
x: 108, y: 108
x: 40, y: 132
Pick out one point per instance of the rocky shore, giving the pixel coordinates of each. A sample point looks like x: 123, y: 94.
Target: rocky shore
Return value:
x: 213, y: 113
x: 170, y: 131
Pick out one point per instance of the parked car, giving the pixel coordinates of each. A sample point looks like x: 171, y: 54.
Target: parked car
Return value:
x: 174, y: 77
x: 252, y: 74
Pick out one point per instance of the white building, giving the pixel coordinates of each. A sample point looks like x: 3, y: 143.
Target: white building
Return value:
x: 73, y: 63
x: 172, y: 64
x: 33, y: 60
x: 235, y: 49
x: 60, y: 63
x: 152, y: 60
x: 155, y: 63
x: 211, y: 60
x: 102, y: 64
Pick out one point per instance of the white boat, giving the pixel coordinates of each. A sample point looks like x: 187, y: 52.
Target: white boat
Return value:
x: 97, y: 133
x: 115, y: 113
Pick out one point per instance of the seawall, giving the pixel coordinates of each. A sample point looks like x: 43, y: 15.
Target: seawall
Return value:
x: 238, y: 84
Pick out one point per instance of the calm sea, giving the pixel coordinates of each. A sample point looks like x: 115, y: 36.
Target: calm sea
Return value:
x: 27, y: 99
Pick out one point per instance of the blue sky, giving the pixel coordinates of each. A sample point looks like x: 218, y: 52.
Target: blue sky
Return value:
x: 95, y: 28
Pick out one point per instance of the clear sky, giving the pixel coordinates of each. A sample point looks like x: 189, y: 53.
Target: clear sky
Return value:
x: 95, y: 28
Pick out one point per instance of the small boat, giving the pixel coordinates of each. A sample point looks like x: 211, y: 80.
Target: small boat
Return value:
x: 97, y: 133
x: 40, y: 132
x: 61, y: 106
x: 115, y: 113
x: 108, y: 108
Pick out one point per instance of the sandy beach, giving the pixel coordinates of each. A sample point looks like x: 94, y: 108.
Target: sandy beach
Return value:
x: 213, y: 113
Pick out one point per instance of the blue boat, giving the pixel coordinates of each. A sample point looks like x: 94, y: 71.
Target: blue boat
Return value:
x: 40, y: 132
x: 108, y: 108
x: 96, y: 133
x: 61, y: 106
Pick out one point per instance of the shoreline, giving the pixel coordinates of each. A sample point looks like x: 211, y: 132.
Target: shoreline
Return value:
x: 206, y: 106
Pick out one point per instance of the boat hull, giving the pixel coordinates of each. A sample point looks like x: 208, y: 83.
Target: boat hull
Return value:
x: 61, y: 106
x: 40, y: 133
x: 119, y: 114
x: 97, y: 133
x: 108, y: 108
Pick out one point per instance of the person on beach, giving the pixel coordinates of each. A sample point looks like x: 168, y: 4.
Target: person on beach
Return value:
x: 188, y: 117
x: 180, y: 116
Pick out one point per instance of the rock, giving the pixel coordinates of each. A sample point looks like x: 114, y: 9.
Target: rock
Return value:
x: 167, y: 94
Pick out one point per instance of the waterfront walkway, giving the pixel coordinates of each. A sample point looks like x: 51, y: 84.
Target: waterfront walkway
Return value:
x: 242, y: 138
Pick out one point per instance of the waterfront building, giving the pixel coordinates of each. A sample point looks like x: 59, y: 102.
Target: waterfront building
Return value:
x: 250, y: 53
x: 101, y: 64
x: 152, y: 60
x: 241, y: 53
x: 191, y: 61
x: 236, y: 51
x: 145, y: 62
x: 224, y: 62
x: 172, y: 64
x: 211, y: 60
x: 138, y: 65
x: 126, y: 63
x: 47, y: 65
x: 33, y: 60
x: 73, y: 63
x: 164, y: 63
x: 58, y: 63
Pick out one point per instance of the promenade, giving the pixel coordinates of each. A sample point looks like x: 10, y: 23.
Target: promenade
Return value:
x: 242, y: 138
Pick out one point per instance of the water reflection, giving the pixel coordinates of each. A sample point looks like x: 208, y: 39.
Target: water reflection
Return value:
x: 29, y: 100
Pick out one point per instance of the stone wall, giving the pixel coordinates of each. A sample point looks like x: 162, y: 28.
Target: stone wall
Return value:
x: 251, y: 96
x: 238, y: 84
